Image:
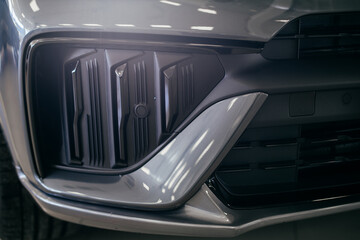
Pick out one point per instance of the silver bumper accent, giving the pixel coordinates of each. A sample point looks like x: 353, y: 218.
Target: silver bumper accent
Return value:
x: 198, y: 214
x: 202, y: 216
x: 174, y: 174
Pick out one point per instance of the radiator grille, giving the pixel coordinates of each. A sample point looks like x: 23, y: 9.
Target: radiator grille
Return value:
x: 112, y: 108
x: 316, y: 35
x: 292, y: 163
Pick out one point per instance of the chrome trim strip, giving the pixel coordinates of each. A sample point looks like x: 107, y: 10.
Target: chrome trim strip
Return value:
x: 174, y: 174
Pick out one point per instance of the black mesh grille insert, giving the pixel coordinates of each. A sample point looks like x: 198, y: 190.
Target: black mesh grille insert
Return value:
x: 316, y: 35
x: 273, y: 165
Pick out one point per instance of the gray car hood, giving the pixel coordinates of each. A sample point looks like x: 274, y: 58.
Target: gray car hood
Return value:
x: 230, y: 19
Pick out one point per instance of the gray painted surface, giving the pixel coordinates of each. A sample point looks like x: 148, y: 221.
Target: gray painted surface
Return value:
x: 22, y: 20
x: 236, y: 19
x: 333, y: 227
x: 174, y: 172
x: 243, y: 20
x: 203, y: 215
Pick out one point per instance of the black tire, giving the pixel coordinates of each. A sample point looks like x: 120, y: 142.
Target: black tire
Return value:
x: 20, y: 217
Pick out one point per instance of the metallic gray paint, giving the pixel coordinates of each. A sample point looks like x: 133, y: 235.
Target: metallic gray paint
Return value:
x: 245, y: 20
x: 167, y: 179
x: 22, y: 20
x: 234, y: 19
x: 203, y: 215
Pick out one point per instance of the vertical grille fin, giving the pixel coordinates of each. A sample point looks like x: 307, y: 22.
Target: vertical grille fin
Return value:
x: 78, y: 111
x: 121, y: 112
x: 141, y: 130
x: 170, y: 97
x: 188, y: 85
x: 95, y: 118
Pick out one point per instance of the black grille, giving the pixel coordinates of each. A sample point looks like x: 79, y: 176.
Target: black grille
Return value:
x: 301, y: 146
x: 109, y: 108
x: 316, y: 35
x: 292, y: 163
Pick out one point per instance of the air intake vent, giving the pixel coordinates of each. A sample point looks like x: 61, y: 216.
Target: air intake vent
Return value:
x: 284, y: 158
x: 328, y: 144
x: 303, y: 162
x: 113, y: 107
x: 316, y: 35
